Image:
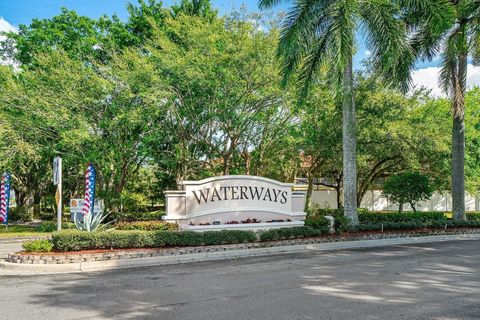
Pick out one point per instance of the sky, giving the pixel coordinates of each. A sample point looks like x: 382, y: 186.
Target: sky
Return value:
x: 16, y: 12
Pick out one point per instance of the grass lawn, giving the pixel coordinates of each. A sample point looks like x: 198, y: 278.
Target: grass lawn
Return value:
x: 19, y: 231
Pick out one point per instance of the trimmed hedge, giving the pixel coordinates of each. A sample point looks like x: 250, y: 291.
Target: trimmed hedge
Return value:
x: 37, y: 246
x: 80, y: 240
x: 315, y: 210
x: 291, y: 233
x: 420, y: 217
x: 317, y: 222
x: 316, y: 218
x: 50, y: 226
x: 147, y: 226
x: 139, y: 216
x: 415, y: 225
x: 473, y: 216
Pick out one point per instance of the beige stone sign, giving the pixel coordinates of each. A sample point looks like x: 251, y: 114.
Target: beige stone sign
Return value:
x: 234, y: 199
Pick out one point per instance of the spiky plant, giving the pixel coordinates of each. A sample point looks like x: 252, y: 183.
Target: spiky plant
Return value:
x: 93, y: 223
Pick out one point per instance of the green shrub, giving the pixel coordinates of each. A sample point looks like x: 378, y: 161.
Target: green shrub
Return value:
x: 38, y: 246
x: 73, y: 240
x: 462, y: 224
x: 408, y: 187
x: 46, y: 226
x: 317, y: 211
x: 228, y: 236
x: 473, y: 216
x: 50, y: 226
x: 290, y: 233
x: 147, y: 225
x: 317, y: 222
x: 315, y: 216
x: 341, y: 223
x: 68, y: 225
x: 20, y: 214
x: 139, y: 216
x: 420, y: 217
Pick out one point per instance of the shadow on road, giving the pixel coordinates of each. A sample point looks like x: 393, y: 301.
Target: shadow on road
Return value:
x: 428, y: 281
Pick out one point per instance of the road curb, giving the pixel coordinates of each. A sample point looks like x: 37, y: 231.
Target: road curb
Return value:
x: 8, y: 268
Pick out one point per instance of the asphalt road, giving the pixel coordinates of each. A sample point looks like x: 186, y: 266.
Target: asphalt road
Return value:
x: 429, y: 281
x: 6, y: 248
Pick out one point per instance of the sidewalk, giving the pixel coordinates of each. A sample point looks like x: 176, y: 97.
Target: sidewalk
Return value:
x: 7, y: 268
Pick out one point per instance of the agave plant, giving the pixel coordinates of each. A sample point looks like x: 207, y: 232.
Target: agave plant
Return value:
x: 92, y: 223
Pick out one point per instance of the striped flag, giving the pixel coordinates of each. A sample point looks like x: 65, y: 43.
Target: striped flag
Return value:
x: 89, y: 200
x: 4, y: 197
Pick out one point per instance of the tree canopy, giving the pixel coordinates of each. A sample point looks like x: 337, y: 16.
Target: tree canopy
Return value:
x: 181, y: 93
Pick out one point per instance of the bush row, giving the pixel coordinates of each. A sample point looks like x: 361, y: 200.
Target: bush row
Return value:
x: 316, y: 219
x: 139, y: 216
x: 73, y: 240
x: 147, y: 226
x: 473, y: 216
x: 316, y: 210
x: 414, y: 225
x: 50, y: 226
x: 292, y: 233
x: 78, y: 240
x: 420, y: 217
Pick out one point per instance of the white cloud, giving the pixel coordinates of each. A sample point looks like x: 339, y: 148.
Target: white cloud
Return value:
x: 428, y: 78
x: 368, y: 53
x: 5, y: 26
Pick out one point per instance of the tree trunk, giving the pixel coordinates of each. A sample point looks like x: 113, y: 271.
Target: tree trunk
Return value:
x: 37, y: 197
x: 413, y: 207
x: 349, y: 146
x: 400, y: 207
x: 226, y: 165
x: 339, y: 190
x: 309, y: 190
x: 458, y: 141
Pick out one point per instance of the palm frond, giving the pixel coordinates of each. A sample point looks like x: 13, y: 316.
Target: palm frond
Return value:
x: 343, y: 26
x: 427, y: 21
x: 267, y: 4
x: 392, y: 56
x: 303, y: 25
x: 319, y: 53
x: 474, y: 40
x: 448, y: 67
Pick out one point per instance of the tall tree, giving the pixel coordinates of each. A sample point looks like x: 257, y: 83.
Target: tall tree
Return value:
x: 317, y: 33
x: 451, y: 28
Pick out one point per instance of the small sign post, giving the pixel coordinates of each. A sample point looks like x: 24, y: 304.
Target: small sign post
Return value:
x: 57, y: 180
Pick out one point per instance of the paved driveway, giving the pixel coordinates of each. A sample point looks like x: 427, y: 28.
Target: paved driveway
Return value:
x: 8, y: 246
x: 429, y: 281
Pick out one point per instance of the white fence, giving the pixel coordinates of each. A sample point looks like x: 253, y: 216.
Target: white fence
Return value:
x: 375, y: 201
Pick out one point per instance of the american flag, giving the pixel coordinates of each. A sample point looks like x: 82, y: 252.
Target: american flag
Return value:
x: 89, y: 200
x: 4, y: 197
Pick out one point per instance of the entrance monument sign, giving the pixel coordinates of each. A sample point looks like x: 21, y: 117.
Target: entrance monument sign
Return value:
x: 235, y: 200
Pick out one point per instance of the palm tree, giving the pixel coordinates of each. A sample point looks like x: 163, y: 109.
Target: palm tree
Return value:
x: 452, y: 29
x: 322, y: 33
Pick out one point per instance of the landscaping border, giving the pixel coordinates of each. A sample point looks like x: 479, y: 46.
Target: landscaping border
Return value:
x: 118, y: 259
